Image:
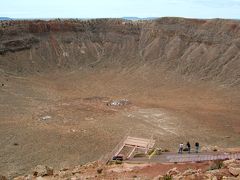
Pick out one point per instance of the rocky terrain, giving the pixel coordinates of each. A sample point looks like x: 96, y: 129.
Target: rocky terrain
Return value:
x: 226, y: 170
x: 71, y: 89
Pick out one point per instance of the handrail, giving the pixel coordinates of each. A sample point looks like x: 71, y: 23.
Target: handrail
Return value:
x: 108, y: 156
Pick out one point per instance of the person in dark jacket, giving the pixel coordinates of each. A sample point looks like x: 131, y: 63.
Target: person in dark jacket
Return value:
x: 196, y: 147
x: 189, y: 147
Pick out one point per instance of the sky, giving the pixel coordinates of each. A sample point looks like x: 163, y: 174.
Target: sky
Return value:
x: 229, y: 9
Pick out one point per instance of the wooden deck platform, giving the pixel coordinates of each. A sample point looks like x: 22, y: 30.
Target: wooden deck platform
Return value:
x: 136, y: 143
x: 127, y: 146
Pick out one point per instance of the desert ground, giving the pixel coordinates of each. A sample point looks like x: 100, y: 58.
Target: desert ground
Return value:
x: 63, y: 119
x: 60, y: 116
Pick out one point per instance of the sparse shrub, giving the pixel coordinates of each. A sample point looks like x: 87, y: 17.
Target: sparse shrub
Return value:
x: 118, y: 162
x: 110, y: 162
x: 151, y: 151
x: 218, y: 164
x: 99, y: 171
x: 167, y: 177
x: 158, y: 151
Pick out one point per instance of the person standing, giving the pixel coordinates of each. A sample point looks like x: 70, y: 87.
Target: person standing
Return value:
x: 197, y: 147
x: 189, y: 147
x: 180, y: 148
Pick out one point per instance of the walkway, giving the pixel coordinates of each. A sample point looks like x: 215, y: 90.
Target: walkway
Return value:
x: 181, y: 158
x: 201, y: 157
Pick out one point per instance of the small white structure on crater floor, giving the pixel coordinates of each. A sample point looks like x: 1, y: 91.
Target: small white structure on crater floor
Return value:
x: 46, y: 118
x: 120, y: 102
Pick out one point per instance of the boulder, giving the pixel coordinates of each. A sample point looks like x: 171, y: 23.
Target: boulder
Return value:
x: 77, y: 169
x: 158, y: 177
x: 65, y: 174
x: 229, y: 178
x: 192, y: 176
x: 41, y: 170
x: 209, y: 176
x: 173, y: 172
x: 218, y: 172
x: 189, y: 172
x: 178, y: 177
x: 204, y: 176
x: 64, y: 168
x: 199, y: 170
x: 213, y: 172
x: 234, y: 171
x: 229, y: 162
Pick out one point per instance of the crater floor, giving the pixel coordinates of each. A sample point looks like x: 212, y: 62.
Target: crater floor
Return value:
x: 62, y: 119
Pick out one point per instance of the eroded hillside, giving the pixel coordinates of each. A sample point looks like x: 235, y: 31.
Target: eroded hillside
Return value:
x: 203, y: 49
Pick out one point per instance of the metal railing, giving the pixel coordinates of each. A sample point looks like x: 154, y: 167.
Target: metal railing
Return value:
x: 109, y: 156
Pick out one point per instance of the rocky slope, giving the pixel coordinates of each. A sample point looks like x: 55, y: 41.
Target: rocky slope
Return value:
x: 202, y: 49
x: 227, y: 170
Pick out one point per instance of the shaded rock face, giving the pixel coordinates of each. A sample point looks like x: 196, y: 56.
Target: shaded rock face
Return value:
x: 202, y: 49
x: 17, y: 45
